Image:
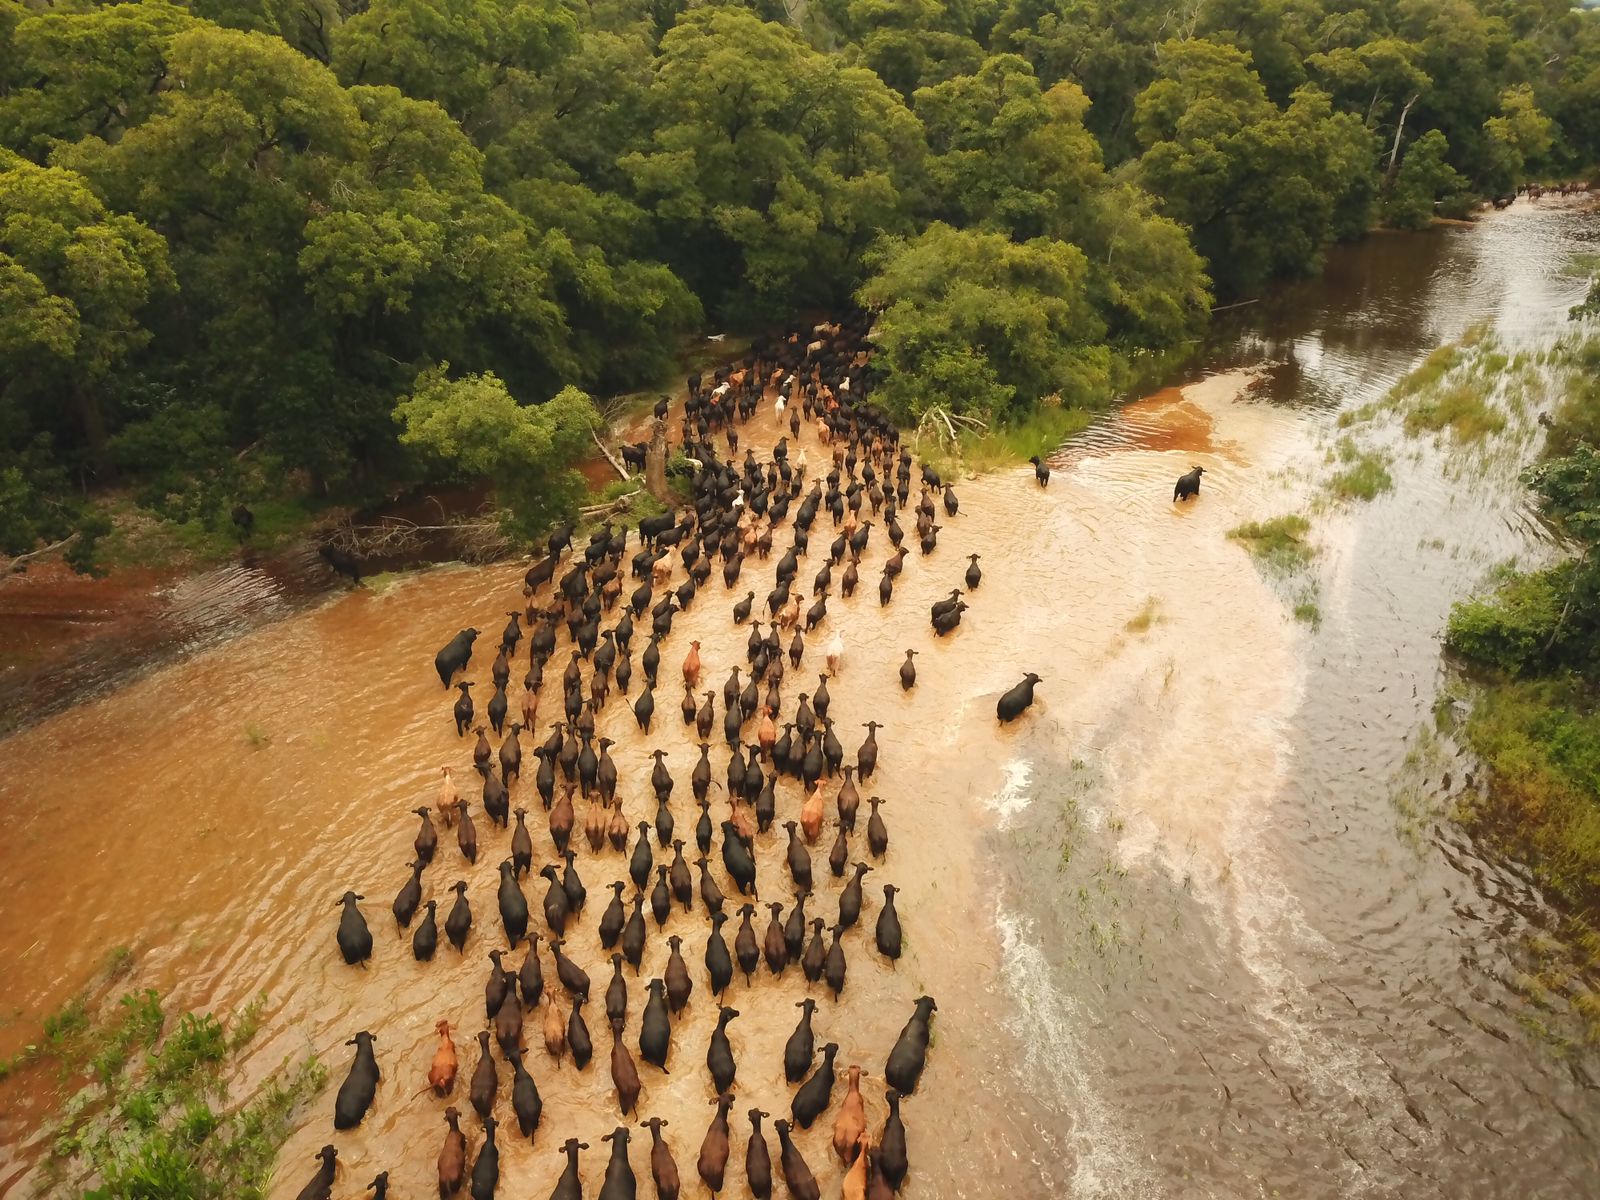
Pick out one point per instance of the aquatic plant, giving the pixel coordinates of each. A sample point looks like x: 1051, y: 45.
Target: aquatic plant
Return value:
x: 1464, y: 410
x: 1365, y: 474
x: 1147, y: 616
x: 1279, y: 543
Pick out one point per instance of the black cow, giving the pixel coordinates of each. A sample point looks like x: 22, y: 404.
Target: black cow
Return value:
x: 455, y: 655
x: 359, y: 1087
x: 1188, y: 485
x: 342, y: 561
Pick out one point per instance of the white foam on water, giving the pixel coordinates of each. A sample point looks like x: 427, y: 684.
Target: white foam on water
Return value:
x: 1109, y: 1162
x: 1013, y: 795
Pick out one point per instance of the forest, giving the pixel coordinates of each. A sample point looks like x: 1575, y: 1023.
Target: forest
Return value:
x: 262, y: 250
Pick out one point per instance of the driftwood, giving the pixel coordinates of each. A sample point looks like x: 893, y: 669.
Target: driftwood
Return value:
x: 611, y: 507
x: 941, y: 423
x: 610, y: 458
x: 480, y: 540
x: 13, y: 565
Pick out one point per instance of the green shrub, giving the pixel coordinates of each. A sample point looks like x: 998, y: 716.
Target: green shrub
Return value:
x: 153, y: 1121
x: 1511, y: 628
x: 1365, y: 474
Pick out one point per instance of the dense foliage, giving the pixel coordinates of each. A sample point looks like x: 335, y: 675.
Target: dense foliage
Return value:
x: 235, y: 235
x: 1536, y: 721
x: 1546, y: 621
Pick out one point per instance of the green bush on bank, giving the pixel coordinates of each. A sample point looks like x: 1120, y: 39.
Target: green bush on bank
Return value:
x: 1536, y: 720
x: 1512, y: 628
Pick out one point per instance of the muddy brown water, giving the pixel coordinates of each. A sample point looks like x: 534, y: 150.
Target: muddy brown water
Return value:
x: 1183, y: 939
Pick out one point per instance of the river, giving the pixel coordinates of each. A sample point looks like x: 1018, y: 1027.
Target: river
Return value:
x: 1198, y: 926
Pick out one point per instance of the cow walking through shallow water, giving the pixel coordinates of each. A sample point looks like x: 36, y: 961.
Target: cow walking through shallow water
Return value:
x: 1188, y: 485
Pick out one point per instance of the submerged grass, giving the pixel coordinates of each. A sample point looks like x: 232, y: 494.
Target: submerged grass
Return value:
x: 1540, y: 740
x: 1435, y: 367
x: 1540, y: 743
x: 1464, y: 410
x: 1279, y: 543
x: 1364, y: 474
x: 1308, y: 612
x: 1145, y: 617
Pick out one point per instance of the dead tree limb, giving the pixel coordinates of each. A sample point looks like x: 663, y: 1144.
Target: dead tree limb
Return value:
x: 610, y: 458
x: 12, y: 566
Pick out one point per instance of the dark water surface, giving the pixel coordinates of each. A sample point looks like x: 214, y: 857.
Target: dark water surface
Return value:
x: 1197, y: 927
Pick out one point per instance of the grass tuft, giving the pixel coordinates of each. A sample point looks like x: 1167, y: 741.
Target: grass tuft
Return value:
x: 1144, y: 618
x: 1005, y: 446
x: 1279, y: 543
x: 1431, y: 370
x: 1365, y: 474
x: 1541, y: 742
x: 1464, y: 410
x: 154, y: 1119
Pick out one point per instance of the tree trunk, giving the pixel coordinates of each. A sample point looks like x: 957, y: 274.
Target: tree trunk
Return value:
x: 94, y: 432
x: 1394, y: 150
x: 655, y: 462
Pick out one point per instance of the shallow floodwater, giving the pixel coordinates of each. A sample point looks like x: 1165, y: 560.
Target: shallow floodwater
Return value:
x: 1183, y: 939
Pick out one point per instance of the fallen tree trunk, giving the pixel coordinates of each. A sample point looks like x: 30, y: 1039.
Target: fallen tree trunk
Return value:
x: 610, y: 458
x: 12, y: 566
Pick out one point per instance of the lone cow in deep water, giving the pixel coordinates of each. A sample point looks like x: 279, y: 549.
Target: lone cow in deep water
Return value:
x: 1188, y: 485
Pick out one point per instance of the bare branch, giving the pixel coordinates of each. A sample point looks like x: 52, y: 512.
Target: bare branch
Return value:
x: 12, y: 566
x: 610, y: 458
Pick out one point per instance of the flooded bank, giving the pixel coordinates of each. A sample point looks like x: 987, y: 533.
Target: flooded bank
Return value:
x: 66, y: 638
x: 1182, y: 939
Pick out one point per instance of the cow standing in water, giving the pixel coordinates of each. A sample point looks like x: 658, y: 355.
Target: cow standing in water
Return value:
x: 1188, y: 485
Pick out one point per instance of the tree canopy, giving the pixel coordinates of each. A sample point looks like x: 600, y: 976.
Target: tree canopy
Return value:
x: 242, y: 231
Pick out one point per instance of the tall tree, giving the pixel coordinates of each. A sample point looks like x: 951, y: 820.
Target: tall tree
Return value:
x: 980, y: 324
x: 772, y: 166
x: 75, y: 281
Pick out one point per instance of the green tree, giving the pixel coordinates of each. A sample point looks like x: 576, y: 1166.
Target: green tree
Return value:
x: 772, y: 166
x: 1518, y: 138
x: 75, y: 280
x: 472, y: 428
x: 1264, y: 189
x: 1106, y: 47
x: 914, y: 43
x: 1004, y: 155
x: 977, y: 323
x: 90, y: 73
x: 1145, y: 278
x: 456, y: 53
x: 1425, y: 176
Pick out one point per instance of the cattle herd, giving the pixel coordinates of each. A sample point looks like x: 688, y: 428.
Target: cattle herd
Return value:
x: 784, y: 763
